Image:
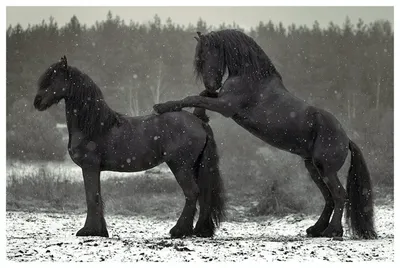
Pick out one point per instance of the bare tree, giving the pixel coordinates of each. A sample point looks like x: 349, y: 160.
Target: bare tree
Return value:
x: 133, y: 102
x: 133, y: 97
x: 378, y: 85
x: 158, y: 89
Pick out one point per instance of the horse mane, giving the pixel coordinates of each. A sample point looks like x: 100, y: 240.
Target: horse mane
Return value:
x: 240, y: 54
x: 86, y: 100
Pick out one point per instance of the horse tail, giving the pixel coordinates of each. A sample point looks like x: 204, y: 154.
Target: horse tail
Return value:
x: 210, y: 182
x: 359, y: 207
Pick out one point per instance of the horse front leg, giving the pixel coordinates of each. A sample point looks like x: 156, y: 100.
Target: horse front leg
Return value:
x: 95, y: 224
x: 226, y: 106
x: 201, y: 112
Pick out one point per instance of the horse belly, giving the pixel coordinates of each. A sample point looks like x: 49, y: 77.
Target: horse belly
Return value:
x: 128, y: 165
x: 131, y: 158
x: 286, y: 136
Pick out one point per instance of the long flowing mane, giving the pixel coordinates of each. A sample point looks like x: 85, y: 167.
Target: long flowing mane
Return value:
x: 86, y: 100
x: 240, y: 54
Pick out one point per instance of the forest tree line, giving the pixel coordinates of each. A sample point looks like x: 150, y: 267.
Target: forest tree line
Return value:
x: 346, y: 69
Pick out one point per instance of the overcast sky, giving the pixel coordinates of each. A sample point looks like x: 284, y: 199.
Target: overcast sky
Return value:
x: 246, y: 17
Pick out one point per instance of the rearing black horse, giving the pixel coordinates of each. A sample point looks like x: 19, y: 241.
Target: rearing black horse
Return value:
x: 254, y: 96
x: 102, y: 139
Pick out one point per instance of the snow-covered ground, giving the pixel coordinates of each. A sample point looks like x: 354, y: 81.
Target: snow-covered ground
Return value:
x: 51, y: 237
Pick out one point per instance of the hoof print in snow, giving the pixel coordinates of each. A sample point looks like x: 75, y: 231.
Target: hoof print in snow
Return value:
x: 159, y: 245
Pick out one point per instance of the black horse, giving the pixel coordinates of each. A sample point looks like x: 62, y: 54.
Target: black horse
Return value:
x: 102, y: 139
x: 254, y: 96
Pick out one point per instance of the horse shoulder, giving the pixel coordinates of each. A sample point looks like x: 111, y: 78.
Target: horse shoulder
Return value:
x: 82, y: 150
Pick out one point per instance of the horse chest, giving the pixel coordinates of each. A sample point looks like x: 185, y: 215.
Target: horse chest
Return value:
x: 79, y: 149
x: 76, y: 154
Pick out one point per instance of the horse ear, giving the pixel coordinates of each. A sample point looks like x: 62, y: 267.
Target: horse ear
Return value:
x: 197, y: 39
x: 64, y: 61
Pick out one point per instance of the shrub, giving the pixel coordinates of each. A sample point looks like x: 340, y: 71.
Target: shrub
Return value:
x: 49, y: 190
x: 284, y: 185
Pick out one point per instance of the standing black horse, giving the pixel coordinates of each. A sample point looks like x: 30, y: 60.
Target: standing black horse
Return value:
x: 102, y: 139
x: 254, y: 97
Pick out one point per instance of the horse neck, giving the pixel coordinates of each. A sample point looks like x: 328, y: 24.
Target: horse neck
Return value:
x: 71, y: 116
x: 261, y: 66
x: 90, y: 115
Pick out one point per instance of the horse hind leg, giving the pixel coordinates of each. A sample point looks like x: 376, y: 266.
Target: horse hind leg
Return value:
x: 204, y: 226
x: 329, y: 154
x: 186, y: 179
x: 323, y: 221
x: 328, y: 172
x: 335, y: 228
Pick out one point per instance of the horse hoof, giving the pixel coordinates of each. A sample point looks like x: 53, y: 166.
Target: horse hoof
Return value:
x: 203, y: 233
x: 157, y: 109
x: 85, y: 231
x: 313, y: 232
x: 160, y: 108
x: 331, y: 232
x: 177, y: 232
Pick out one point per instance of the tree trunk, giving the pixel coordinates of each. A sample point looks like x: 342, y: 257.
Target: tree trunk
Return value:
x: 133, y: 103
x: 349, y: 110
x: 156, y: 91
x: 136, y: 104
x: 378, y: 91
x: 131, y: 112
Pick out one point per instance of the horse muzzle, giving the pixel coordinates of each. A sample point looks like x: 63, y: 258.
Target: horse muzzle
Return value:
x: 212, y: 88
x: 38, y: 104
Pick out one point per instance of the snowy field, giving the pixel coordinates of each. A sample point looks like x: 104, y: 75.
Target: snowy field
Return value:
x: 69, y: 170
x: 51, y: 237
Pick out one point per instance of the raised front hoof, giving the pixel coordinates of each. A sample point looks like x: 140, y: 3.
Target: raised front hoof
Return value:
x: 180, y: 232
x: 332, y: 232
x: 203, y: 232
x: 164, y: 108
x: 86, y: 231
x: 314, y: 231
